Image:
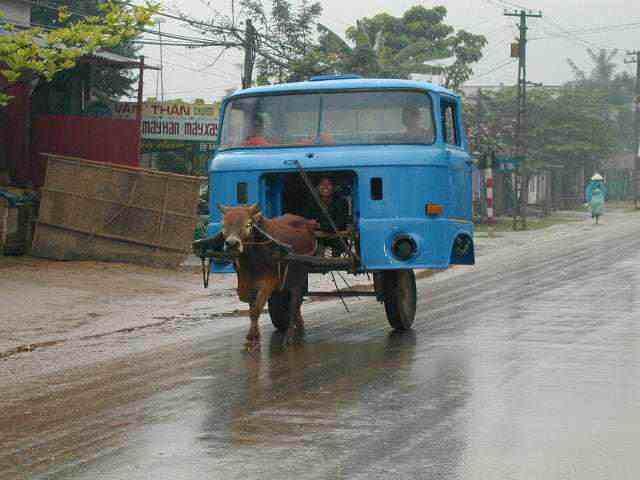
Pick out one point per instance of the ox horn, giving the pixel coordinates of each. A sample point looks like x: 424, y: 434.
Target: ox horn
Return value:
x: 222, y: 208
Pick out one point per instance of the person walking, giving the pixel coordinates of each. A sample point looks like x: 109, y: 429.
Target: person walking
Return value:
x: 595, y: 196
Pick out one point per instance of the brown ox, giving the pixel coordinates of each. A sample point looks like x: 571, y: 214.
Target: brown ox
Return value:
x: 261, y: 274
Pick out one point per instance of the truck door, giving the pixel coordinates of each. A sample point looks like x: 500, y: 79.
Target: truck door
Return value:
x: 459, y: 160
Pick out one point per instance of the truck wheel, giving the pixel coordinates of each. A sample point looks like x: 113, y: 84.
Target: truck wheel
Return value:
x: 400, y: 298
x: 279, y: 310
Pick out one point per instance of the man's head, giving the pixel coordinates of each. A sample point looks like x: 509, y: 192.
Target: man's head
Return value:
x: 237, y: 223
x: 411, y: 117
x: 325, y: 187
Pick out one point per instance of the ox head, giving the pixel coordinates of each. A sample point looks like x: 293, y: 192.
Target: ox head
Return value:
x: 237, y: 224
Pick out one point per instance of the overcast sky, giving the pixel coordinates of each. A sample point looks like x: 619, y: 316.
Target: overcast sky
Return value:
x: 189, y: 74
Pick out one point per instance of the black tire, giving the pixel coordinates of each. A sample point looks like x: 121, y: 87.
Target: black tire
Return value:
x: 279, y: 310
x: 400, y: 298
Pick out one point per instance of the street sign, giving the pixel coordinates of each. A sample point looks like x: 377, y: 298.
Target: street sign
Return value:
x: 507, y: 164
x: 173, y: 121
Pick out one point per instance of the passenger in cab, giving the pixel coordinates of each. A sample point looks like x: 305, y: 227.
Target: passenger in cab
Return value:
x: 414, y: 123
x: 337, y: 208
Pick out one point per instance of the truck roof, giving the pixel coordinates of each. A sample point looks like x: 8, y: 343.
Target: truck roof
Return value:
x: 342, y: 84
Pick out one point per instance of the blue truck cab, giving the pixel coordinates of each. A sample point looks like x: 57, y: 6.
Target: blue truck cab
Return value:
x: 396, y: 149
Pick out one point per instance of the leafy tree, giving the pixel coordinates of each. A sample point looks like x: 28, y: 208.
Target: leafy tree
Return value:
x: 291, y: 29
x: 291, y: 45
x: 106, y: 81
x: 395, y: 47
x: 603, y: 71
x: 40, y: 53
x: 283, y: 34
x: 615, y: 89
x: 565, y: 128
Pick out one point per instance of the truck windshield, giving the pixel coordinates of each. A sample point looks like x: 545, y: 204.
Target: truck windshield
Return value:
x: 341, y: 118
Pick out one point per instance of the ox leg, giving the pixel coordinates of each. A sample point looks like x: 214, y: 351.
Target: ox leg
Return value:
x: 257, y: 305
x: 296, y: 326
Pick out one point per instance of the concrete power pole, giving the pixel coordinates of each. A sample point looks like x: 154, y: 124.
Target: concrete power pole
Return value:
x: 636, y: 127
x: 521, y: 121
x: 249, y: 54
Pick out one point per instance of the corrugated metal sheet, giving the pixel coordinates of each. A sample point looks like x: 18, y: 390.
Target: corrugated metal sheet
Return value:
x: 14, y: 133
x: 98, y: 139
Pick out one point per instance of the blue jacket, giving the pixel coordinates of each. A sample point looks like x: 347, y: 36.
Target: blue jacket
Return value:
x: 593, y: 184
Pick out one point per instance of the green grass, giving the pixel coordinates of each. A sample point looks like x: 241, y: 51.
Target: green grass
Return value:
x: 506, y: 224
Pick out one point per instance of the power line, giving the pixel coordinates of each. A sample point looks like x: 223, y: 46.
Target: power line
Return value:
x: 500, y: 66
x: 597, y: 30
x: 566, y: 33
x: 195, y: 70
x: 505, y: 4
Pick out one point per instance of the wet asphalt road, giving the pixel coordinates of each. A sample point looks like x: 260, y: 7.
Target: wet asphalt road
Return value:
x: 524, y: 368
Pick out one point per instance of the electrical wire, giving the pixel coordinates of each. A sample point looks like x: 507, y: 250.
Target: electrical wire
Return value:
x: 195, y: 70
x: 505, y: 4
x: 496, y: 68
x: 568, y: 35
x: 598, y: 30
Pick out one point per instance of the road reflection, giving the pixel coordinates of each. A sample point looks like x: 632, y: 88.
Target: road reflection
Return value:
x: 355, y: 402
x: 305, y: 390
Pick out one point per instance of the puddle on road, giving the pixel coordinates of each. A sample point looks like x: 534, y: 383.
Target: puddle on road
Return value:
x: 305, y: 392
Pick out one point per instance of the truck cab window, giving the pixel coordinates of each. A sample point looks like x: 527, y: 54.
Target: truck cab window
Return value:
x: 450, y: 132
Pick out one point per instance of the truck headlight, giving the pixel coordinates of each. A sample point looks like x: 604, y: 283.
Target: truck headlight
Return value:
x: 404, y: 247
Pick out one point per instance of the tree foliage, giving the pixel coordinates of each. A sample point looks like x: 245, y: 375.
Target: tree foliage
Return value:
x: 583, y: 123
x: 289, y: 28
x: 566, y: 128
x: 283, y: 33
x: 106, y: 82
x: 40, y: 53
x: 385, y: 46
x: 616, y: 91
x: 291, y: 45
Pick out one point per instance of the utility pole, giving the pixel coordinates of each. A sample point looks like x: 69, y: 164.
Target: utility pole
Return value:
x: 249, y: 54
x: 636, y: 127
x: 160, y: 75
x: 521, y: 121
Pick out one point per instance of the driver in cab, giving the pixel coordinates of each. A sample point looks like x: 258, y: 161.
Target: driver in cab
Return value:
x: 257, y: 136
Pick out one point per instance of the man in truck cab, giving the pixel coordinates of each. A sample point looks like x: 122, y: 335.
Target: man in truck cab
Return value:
x: 338, y: 209
x: 413, y: 121
x: 256, y: 136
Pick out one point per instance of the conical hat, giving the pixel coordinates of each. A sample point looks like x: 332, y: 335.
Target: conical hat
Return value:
x: 597, y: 176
